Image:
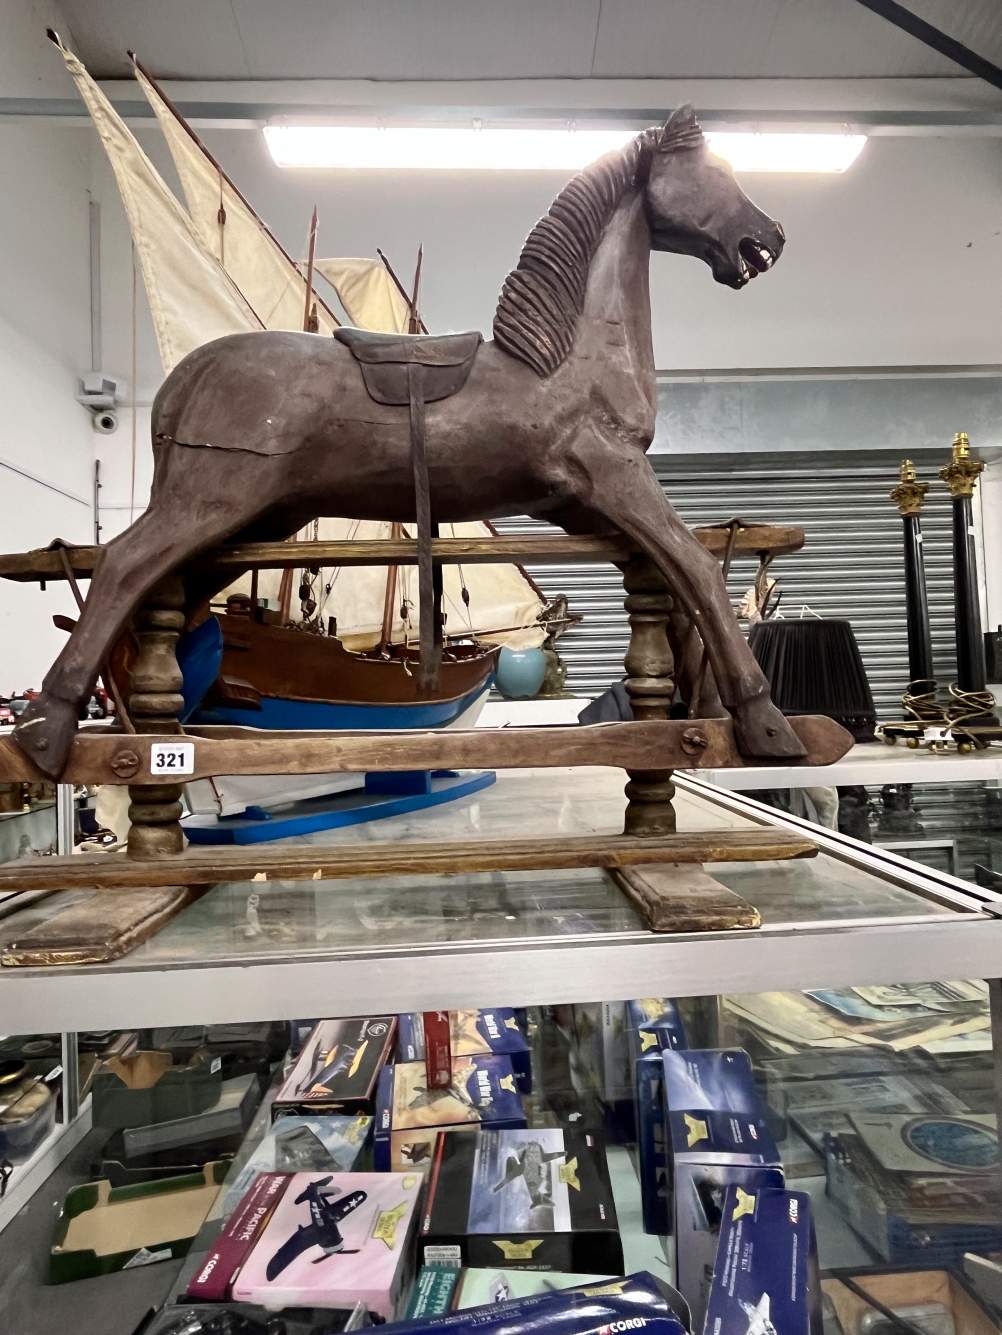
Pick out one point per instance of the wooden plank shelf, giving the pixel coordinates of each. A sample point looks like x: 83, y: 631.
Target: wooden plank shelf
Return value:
x: 112, y: 757
x: 45, y: 564
x: 290, y: 862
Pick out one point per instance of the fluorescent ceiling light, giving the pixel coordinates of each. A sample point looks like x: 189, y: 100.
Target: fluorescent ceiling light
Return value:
x: 415, y: 147
x: 788, y: 152
x: 452, y: 149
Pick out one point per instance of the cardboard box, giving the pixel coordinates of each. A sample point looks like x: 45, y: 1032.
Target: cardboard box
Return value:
x: 213, y: 1282
x: 147, y: 1087
x: 535, y: 1200
x: 409, y: 1115
x: 765, y: 1277
x: 228, y: 1116
x: 101, y: 1229
x: 335, y: 1239
x: 716, y: 1136
x: 904, y: 1288
x: 338, y: 1068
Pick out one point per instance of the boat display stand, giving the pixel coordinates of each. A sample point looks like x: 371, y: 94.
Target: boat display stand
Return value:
x: 382, y: 796
x: 659, y: 869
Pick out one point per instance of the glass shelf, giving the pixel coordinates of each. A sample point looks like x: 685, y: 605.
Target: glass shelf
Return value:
x: 262, y: 949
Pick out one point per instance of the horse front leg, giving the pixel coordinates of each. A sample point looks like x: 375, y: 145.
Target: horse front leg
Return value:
x: 181, y: 522
x: 615, y: 480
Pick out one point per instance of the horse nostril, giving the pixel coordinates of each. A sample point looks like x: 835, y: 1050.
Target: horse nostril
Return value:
x: 779, y: 229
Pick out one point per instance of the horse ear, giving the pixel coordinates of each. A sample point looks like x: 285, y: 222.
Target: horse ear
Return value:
x: 681, y: 130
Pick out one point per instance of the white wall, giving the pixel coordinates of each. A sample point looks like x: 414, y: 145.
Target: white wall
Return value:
x: 44, y: 340
x: 897, y: 262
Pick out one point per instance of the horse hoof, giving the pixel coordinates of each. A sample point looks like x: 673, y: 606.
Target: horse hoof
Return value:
x: 46, y: 733
x: 762, y: 731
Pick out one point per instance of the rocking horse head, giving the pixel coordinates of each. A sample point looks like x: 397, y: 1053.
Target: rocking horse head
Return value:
x: 695, y: 206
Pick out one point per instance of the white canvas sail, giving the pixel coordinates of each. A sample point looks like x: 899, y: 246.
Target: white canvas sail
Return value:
x: 367, y: 292
x: 503, y: 607
x: 194, y: 299
x: 271, y: 283
x: 191, y: 298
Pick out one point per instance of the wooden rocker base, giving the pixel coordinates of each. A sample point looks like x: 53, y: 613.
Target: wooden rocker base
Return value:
x: 211, y: 866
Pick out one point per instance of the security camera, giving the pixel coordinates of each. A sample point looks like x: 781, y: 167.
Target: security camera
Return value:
x: 105, y: 421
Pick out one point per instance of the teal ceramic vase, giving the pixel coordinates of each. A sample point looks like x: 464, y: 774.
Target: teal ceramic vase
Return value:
x: 520, y: 672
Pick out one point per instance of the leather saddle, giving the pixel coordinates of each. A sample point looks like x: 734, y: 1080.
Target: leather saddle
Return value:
x: 410, y: 370
x: 385, y: 360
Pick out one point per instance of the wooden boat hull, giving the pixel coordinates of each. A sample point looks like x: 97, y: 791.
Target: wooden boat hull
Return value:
x: 297, y: 680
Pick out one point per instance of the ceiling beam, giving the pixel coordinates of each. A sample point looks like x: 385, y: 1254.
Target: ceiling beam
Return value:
x: 939, y: 41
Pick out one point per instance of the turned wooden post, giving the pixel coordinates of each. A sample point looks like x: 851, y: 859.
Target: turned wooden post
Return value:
x: 649, y: 684
x: 154, y: 705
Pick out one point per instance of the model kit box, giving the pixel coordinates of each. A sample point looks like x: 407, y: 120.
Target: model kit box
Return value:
x: 102, y: 1229
x: 716, y: 1136
x: 409, y: 1115
x: 487, y: 1030
x: 303, y: 1145
x: 213, y: 1282
x: 481, y: 1288
x: 766, y: 1273
x: 653, y: 1026
x: 638, y: 1303
x: 335, y: 1239
x: 339, y: 1067
x: 528, y: 1200
x: 433, y: 1291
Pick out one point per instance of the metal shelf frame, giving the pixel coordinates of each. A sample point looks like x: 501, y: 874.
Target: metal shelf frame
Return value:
x: 965, y: 940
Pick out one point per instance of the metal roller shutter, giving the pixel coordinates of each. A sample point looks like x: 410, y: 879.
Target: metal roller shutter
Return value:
x: 852, y: 565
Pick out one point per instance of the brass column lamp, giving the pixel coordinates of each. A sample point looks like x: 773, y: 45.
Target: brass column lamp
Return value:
x: 909, y: 495
x: 960, y: 475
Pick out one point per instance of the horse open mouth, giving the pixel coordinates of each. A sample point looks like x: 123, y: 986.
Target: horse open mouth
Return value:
x: 754, y: 258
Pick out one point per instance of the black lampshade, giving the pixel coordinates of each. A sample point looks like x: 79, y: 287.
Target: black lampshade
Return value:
x: 814, y: 667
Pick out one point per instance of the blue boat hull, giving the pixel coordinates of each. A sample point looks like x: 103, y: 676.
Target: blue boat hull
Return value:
x: 302, y: 715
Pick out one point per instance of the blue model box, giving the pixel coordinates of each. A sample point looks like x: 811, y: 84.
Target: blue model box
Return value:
x: 766, y: 1274
x: 716, y: 1136
x: 409, y: 1115
x: 653, y: 1026
x: 492, y: 1029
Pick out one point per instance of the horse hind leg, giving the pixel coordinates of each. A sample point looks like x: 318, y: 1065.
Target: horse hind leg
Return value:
x: 167, y: 535
x: 618, y: 483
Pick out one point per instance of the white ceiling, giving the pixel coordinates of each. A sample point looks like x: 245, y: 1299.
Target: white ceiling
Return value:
x: 520, y: 39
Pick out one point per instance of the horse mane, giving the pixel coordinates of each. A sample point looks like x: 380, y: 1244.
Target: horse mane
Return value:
x: 543, y: 296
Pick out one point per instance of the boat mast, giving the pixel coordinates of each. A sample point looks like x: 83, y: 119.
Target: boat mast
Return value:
x: 243, y: 200
x: 310, y: 323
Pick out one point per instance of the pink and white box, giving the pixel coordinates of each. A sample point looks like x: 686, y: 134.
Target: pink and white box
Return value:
x: 335, y: 1239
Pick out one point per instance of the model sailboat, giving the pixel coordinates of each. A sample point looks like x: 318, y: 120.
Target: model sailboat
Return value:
x: 347, y: 660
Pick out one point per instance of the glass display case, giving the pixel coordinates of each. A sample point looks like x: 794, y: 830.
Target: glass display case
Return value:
x: 859, y: 1022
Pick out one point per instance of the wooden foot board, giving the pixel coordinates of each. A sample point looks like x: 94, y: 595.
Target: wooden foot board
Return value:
x: 211, y: 866
x: 676, y: 898
x: 110, y: 757
x: 103, y: 927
